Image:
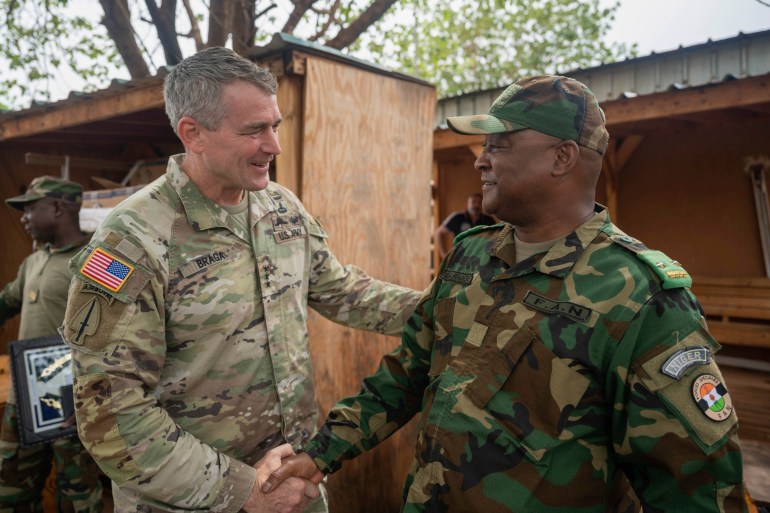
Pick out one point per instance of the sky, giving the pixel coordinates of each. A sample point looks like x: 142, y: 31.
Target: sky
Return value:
x: 662, y: 25
x: 655, y: 25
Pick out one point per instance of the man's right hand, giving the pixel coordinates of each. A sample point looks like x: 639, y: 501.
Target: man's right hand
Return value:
x: 297, y: 466
x: 289, y: 496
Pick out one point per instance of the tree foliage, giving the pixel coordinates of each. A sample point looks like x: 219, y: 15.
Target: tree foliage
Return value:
x: 459, y: 45
x: 462, y: 45
x: 38, y: 40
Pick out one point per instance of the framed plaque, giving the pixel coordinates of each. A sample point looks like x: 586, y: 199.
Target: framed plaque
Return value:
x: 41, y: 369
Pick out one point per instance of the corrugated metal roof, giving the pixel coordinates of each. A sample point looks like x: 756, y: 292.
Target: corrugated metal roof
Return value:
x: 741, y: 56
x: 116, y: 87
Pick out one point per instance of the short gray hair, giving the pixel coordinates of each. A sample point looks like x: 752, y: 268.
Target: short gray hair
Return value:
x: 194, y: 86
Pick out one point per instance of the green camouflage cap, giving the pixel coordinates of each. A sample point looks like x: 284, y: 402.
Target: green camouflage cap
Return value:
x: 48, y: 187
x: 554, y: 105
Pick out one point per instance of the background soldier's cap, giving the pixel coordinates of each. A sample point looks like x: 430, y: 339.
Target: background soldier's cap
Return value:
x: 551, y: 104
x: 48, y: 187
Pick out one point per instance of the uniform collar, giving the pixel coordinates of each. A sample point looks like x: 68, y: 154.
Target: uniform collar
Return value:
x: 561, y: 258
x: 204, y: 214
x: 69, y: 247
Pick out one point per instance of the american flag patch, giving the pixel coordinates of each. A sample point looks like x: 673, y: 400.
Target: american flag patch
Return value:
x: 106, y: 270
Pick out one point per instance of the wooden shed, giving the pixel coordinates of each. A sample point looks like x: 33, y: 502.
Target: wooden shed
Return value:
x: 357, y: 149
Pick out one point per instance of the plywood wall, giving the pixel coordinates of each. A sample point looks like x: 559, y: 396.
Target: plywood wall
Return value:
x: 687, y: 195
x: 366, y: 170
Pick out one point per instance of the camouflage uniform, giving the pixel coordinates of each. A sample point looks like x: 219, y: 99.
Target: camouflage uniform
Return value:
x: 543, y: 384
x: 39, y: 293
x: 192, y: 359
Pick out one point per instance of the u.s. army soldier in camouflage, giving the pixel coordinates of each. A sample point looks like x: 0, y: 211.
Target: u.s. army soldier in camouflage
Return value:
x: 555, y: 360
x: 39, y: 294
x: 187, y: 315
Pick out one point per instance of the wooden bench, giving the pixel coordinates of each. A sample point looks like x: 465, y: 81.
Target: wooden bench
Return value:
x: 737, y: 309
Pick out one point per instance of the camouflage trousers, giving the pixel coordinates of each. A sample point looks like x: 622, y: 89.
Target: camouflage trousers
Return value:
x: 24, y: 470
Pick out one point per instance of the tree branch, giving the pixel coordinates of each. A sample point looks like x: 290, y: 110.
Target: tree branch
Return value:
x: 220, y: 20
x: 116, y: 19
x: 195, y: 31
x: 370, y: 16
x: 300, y: 8
x: 244, y: 25
x: 330, y: 15
x: 164, y: 19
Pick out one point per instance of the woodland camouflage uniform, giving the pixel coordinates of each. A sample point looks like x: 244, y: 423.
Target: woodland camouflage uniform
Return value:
x: 551, y: 384
x: 541, y: 385
x: 200, y: 331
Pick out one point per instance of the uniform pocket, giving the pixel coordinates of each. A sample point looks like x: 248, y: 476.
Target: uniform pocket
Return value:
x: 524, y: 386
x: 442, y: 346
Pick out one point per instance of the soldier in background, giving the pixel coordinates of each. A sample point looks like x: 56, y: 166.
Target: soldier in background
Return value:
x: 39, y: 293
x: 458, y: 222
x: 555, y: 359
x: 187, y: 315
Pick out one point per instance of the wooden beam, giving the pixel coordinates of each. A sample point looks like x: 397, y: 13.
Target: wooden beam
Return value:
x: 445, y: 138
x: 288, y: 165
x: 735, y: 93
x: 71, y: 113
x: 625, y: 150
x: 610, y: 170
x: 80, y: 162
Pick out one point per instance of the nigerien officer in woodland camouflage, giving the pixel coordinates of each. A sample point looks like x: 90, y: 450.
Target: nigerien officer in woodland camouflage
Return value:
x: 555, y: 360
x: 187, y: 314
x: 51, y: 207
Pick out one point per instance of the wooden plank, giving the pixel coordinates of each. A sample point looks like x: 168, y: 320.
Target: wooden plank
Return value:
x: 289, y: 163
x: 740, y: 334
x: 58, y: 160
x: 445, y: 138
x: 366, y: 172
x: 730, y: 281
x: 718, y: 291
x: 750, y: 390
x: 72, y: 113
x: 725, y: 95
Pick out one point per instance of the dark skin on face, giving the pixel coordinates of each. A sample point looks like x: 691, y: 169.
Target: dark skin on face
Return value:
x: 543, y: 185
x: 52, y: 221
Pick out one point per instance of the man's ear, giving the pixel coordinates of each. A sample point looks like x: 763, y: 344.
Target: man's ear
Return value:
x: 57, y: 209
x: 190, y: 133
x: 565, y: 158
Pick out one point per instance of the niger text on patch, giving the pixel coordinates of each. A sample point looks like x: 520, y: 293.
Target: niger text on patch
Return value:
x: 712, y: 397
x: 684, y: 359
x: 106, y: 269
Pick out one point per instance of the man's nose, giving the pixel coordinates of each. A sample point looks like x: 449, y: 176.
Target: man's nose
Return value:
x: 273, y: 146
x: 482, y: 162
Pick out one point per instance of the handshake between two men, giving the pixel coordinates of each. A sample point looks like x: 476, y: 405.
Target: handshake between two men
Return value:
x: 286, y: 482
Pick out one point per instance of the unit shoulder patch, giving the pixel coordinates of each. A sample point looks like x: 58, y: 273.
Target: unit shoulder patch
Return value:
x: 685, y: 358
x: 109, y: 272
x: 712, y: 397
